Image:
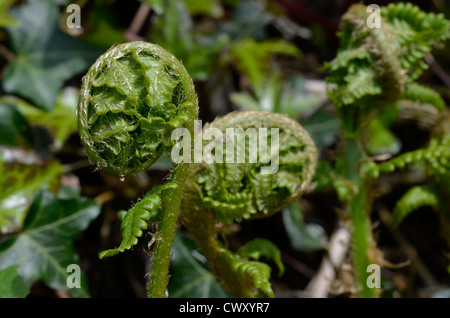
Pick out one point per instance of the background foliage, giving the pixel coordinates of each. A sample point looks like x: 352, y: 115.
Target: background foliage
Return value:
x: 56, y: 209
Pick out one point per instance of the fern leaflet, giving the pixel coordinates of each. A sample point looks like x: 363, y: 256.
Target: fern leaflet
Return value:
x: 413, y: 199
x: 262, y: 248
x: 136, y: 219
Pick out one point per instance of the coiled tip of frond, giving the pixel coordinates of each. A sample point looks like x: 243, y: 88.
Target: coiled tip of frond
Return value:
x: 132, y: 98
x: 266, y: 162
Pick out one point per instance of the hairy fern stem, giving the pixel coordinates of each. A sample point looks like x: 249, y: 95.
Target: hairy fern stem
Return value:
x: 363, y: 245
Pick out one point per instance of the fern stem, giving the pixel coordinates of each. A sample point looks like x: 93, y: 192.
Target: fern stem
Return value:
x: 172, y: 202
x: 362, y: 240
x: 171, y: 199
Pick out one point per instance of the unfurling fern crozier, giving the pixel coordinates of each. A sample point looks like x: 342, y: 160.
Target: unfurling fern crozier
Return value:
x: 224, y: 193
x: 131, y: 100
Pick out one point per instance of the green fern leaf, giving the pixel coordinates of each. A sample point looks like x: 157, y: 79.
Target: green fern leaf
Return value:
x: 424, y: 95
x: 262, y: 248
x: 136, y: 219
x: 160, y: 83
x: 436, y: 155
x: 259, y: 272
x: 412, y: 200
x: 119, y: 77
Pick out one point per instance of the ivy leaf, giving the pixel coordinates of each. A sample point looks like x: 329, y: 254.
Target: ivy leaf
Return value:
x: 304, y: 238
x: 45, y: 56
x: 190, y: 277
x: 11, y: 284
x: 19, y: 183
x: 60, y: 122
x: 14, y: 128
x: 323, y: 128
x: 44, y: 247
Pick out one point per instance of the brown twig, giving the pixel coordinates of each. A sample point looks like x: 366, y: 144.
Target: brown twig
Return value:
x: 137, y: 23
x: 339, y: 243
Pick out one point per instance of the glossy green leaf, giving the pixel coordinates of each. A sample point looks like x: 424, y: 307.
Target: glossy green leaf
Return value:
x: 14, y: 128
x: 303, y: 237
x: 44, y: 248
x: 323, y: 128
x: 190, y: 276
x: 45, y: 56
x: 11, y: 284
x: 60, y: 122
x: 18, y: 184
x: 248, y: 19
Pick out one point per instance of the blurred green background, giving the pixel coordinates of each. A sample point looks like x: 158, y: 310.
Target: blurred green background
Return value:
x: 57, y: 209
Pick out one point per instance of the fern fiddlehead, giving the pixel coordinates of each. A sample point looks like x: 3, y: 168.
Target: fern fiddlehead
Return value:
x: 132, y: 98
x: 376, y: 67
x: 224, y: 192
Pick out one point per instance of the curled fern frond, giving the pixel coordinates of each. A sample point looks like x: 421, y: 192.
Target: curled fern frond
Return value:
x: 235, y: 191
x: 367, y: 65
x: 412, y: 200
x: 374, y: 66
x: 132, y: 98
